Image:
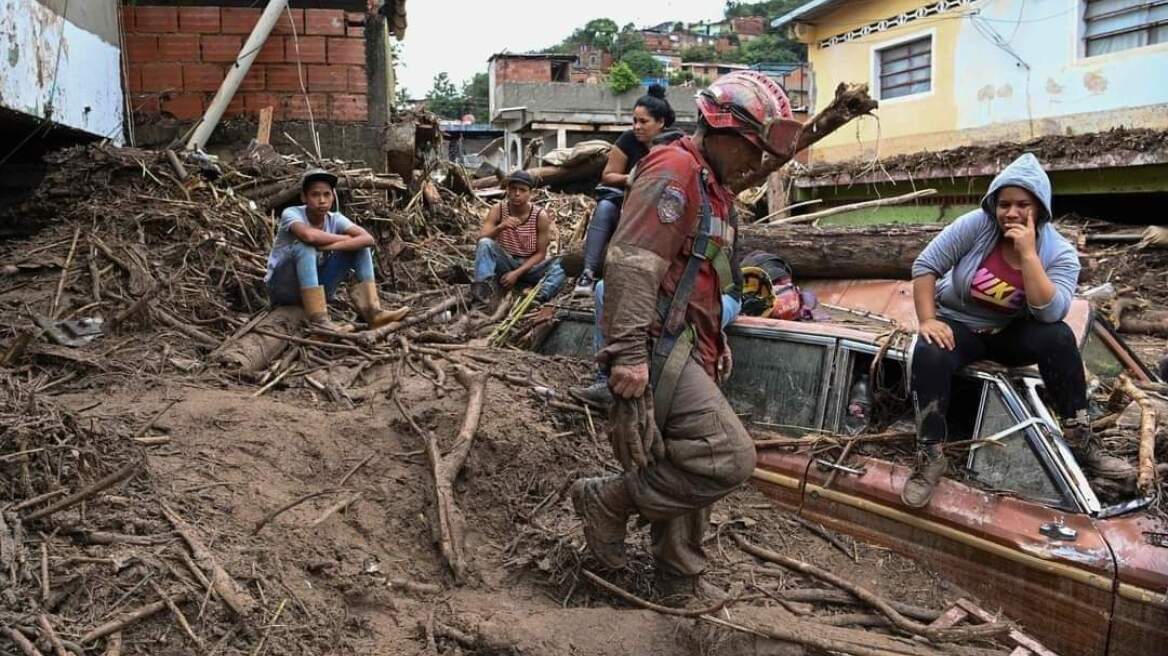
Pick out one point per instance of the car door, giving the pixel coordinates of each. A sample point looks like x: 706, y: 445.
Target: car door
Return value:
x: 1011, y: 533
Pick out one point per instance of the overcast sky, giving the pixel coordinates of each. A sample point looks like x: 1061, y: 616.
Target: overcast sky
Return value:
x: 457, y: 36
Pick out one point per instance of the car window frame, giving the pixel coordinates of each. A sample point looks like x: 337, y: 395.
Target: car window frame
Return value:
x: 830, y: 346
x: 1053, y: 465
x: 1019, y: 411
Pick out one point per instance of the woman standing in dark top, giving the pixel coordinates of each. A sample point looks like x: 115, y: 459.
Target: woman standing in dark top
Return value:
x: 651, y: 116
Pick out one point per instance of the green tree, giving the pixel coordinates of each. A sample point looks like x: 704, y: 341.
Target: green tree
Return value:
x: 443, y: 98
x: 628, y: 41
x: 598, y: 32
x: 476, y: 95
x: 642, y: 64
x: 699, y: 54
x: 621, y: 78
x: 768, y: 48
x: 680, y: 78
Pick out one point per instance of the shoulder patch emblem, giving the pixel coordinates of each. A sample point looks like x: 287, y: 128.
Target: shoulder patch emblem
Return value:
x: 671, y: 205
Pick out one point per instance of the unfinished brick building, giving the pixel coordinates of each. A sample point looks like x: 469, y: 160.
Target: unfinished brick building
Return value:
x: 325, y: 61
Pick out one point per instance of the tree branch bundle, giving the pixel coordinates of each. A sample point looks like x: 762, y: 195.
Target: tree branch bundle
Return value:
x: 449, y: 526
x: 1146, y: 463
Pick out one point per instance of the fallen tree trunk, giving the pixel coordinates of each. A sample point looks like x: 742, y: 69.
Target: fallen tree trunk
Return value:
x: 850, y: 101
x: 879, y: 251
x: 255, y: 351
x: 885, y: 251
x: 1148, y: 323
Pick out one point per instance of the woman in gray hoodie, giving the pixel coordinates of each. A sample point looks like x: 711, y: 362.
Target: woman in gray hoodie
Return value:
x: 996, y: 284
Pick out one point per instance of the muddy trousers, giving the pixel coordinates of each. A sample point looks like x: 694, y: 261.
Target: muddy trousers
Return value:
x: 1052, y: 346
x: 708, y: 454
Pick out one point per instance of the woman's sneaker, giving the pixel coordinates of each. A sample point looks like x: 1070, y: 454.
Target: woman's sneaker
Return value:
x: 584, y: 284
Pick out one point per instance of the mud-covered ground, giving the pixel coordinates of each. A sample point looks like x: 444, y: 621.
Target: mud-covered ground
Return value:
x: 205, y: 454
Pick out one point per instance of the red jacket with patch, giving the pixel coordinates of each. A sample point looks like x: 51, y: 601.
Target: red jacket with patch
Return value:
x: 651, y: 248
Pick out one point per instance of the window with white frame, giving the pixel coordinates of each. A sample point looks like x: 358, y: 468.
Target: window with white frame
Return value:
x: 905, y: 68
x: 1114, y: 25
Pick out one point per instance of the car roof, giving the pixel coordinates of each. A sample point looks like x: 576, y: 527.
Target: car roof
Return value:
x: 863, y: 310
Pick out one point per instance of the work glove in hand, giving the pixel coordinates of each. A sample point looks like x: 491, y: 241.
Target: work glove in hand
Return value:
x: 636, y: 440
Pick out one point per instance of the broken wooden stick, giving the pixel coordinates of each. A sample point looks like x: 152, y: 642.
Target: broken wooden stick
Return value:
x: 126, y: 619
x: 51, y: 635
x: 790, y: 629
x: 64, y: 275
x: 413, y: 587
x: 898, y: 620
x: 449, y: 527
x: 288, y: 506
x: 370, y: 337
x: 879, y: 202
x: 68, y: 502
x: 179, y: 170
x: 237, y: 600
x: 1146, y: 464
x: 178, y: 615
x: 26, y: 647
x: 335, y: 508
x: 158, y: 415
x: 637, y: 601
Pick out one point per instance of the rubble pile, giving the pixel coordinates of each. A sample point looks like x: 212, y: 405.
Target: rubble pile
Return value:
x: 164, y: 502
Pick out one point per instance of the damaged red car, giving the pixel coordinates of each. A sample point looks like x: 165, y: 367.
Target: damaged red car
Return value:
x: 1083, y: 568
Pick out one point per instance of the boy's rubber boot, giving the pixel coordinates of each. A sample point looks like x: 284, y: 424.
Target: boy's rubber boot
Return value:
x: 315, y: 306
x: 368, y: 304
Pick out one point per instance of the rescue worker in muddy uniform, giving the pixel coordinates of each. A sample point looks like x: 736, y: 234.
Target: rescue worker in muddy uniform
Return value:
x: 680, y: 444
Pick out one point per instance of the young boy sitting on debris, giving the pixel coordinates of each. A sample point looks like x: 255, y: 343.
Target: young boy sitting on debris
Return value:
x: 315, y: 250
x: 513, y: 246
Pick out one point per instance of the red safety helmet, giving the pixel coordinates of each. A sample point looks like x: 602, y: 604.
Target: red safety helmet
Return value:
x: 756, y: 107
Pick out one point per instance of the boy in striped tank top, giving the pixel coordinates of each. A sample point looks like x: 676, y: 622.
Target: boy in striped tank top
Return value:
x: 513, y: 245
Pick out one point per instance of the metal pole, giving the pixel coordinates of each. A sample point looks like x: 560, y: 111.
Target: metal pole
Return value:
x: 259, y: 35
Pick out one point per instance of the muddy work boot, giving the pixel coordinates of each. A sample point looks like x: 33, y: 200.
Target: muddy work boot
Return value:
x: 927, y: 471
x: 585, y: 284
x: 484, y: 292
x: 604, y: 508
x: 368, y: 303
x: 680, y: 591
x: 597, y: 395
x: 315, y: 306
x: 1088, y: 451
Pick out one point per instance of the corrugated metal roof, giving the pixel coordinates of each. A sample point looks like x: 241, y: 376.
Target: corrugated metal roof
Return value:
x: 805, y: 12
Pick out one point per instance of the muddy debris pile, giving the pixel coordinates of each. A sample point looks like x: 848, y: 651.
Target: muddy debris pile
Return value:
x: 183, y: 471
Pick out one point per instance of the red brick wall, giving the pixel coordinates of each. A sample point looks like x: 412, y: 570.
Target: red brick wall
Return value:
x: 178, y: 56
x: 655, y: 42
x: 750, y: 25
x: 522, y: 70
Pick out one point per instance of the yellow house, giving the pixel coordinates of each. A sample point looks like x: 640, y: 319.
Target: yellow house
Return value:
x: 968, y: 72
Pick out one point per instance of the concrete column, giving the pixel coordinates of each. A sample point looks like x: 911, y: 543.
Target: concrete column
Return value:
x: 379, y: 74
x: 562, y: 138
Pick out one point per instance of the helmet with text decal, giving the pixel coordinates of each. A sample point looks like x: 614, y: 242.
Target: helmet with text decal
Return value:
x: 753, y: 105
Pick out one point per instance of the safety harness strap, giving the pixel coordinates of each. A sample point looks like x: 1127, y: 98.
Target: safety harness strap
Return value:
x: 674, y: 346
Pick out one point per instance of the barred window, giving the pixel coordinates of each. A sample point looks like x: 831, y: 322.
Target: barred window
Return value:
x: 1114, y: 25
x: 906, y: 68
